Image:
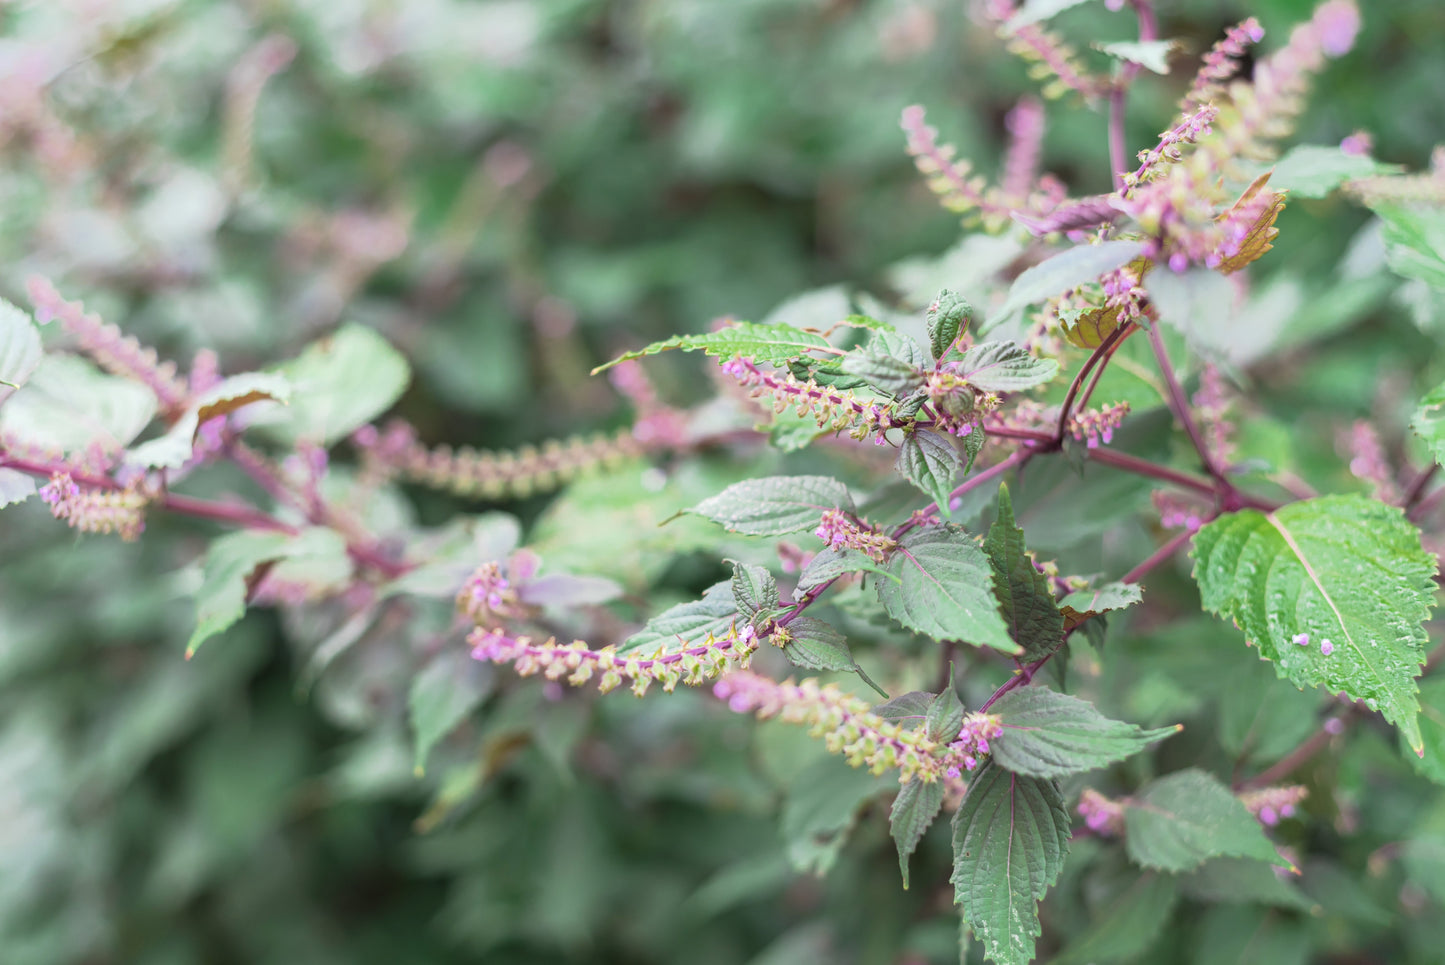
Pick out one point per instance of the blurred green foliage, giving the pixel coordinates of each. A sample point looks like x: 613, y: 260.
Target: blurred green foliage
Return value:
x: 512, y: 191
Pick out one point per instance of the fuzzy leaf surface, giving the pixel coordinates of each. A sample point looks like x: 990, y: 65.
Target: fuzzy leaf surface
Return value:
x: 1415, y: 242
x: 15, y: 487
x: 68, y: 404
x: 754, y: 590
x: 944, y: 588
x: 1150, y: 54
x: 1010, y: 837
x: 171, y: 450
x: 20, y: 349
x: 441, y: 696
x: 914, y: 811
x: 1024, y: 598
x: 230, y: 561
x: 1429, y: 422
x: 1068, y: 269
x: 762, y: 343
x: 1346, y: 569
x: 891, y: 375
x: 775, y: 505
x: 1178, y: 821
x: 1315, y: 170
x: 1049, y: 734
x: 930, y: 461
x: 817, y: 646
x: 830, y: 563
x: 339, y: 383
x: 1005, y: 367
x: 690, y: 622
x: 948, y: 315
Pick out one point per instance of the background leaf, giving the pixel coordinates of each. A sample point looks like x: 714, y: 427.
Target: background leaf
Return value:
x: 1178, y: 821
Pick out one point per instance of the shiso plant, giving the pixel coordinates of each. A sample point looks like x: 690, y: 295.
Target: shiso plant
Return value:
x: 885, y: 480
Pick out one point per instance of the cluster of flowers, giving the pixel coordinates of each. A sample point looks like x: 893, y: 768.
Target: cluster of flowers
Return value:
x: 395, y: 450
x: 958, y: 408
x: 1093, y: 426
x: 1179, y: 209
x: 972, y: 741
x: 578, y: 664
x: 1368, y: 462
x: 1221, y: 63
x: 1049, y: 56
x: 968, y: 194
x: 1179, y: 511
x: 842, y: 531
x: 845, y: 723
x: 119, y: 511
x: 1272, y: 804
x: 1103, y: 816
x: 488, y: 596
x: 115, y: 351
x: 829, y: 407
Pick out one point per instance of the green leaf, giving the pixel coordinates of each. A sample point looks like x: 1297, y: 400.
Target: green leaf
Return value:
x: 1010, y: 836
x: 1149, y: 54
x: 830, y: 563
x: 1415, y: 242
x: 1005, y: 367
x: 817, y: 646
x: 913, y: 811
x: 688, y: 623
x: 820, y: 809
x: 1124, y: 927
x: 1263, y: 718
x: 171, y: 450
x: 930, y: 461
x: 1068, y: 269
x: 754, y: 590
x: 944, y: 717
x: 1102, y: 598
x: 1033, y: 11
x: 1344, y: 569
x: 972, y: 446
x: 910, y: 706
x: 896, y: 345
x: 1431, y: 764
x: 1178, y: 821
x: 338, y: 384
x: 221, y: 600
x: 1429, y: 422
x: 762, y: 343
x: 1049, y: 734
x: 1242, y: 881
x: 944, y: 588
x: 1024, y: 597
x: 775, y: 505
x: 1315, y: 170
x: 883, y: 372
x: 443, y: 558
x: 15, y: 487
x: 949, y: 315
x: 441, y: 696
x: 20, y: 349
x: 68, y: 404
